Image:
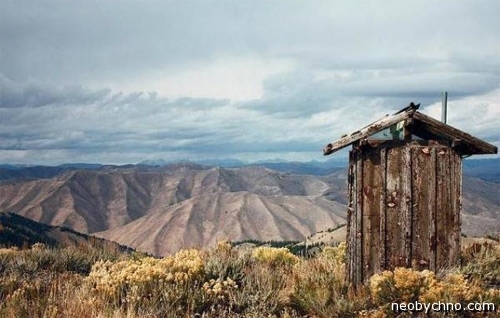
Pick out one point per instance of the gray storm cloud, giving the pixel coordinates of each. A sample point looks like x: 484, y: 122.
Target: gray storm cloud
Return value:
x: 120, y: 82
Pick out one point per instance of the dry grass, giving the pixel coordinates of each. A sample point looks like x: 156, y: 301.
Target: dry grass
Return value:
x: 222, y: 282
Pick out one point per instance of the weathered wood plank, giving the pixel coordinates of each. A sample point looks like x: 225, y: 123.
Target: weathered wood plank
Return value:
x: 359, y: 218
x: 395, y: 238
x: 366, y: 213
x: 431, y: 205
x: 421, y: 164
x: 458, y: 200
x: 366, y: 131
x: 456, y: 189
x: 476, y: 145
x: 371, y: 212
x: 406, y: 211
x: 448, y: 213
x: 383, y: 211
x: 351, y: 221
x: 442, y: 207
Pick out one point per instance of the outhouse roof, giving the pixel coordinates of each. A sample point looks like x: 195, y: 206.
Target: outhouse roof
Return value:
x: 419, y: 125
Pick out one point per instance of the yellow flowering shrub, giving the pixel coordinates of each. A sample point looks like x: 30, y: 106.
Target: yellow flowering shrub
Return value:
x: 402, y: 284
x: 274, y: 256
x: 408, y: 285
x: 452, y: 288
x: 382, y: 287
x: 335, y: 254
x: 10, y: 250
x: 127, y: 281
x: 219, y: 289
x: 225, y: 282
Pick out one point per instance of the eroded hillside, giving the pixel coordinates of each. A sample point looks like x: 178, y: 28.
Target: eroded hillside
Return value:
x: 160, y: 210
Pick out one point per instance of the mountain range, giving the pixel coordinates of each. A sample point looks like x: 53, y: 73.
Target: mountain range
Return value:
x: 485, y: 169
x: 161, y: 209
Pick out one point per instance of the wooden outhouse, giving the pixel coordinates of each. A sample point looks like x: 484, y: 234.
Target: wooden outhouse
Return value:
x: 404, y: 185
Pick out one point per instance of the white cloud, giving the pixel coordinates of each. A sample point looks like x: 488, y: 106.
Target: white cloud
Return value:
x: 122, y: 82
x: 477, y: 115
x: 233, y: 78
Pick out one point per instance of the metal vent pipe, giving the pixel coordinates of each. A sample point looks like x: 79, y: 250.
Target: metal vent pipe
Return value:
x: 444, y: 107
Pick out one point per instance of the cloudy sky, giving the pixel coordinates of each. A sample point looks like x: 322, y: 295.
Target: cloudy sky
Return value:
x: 125, y: 81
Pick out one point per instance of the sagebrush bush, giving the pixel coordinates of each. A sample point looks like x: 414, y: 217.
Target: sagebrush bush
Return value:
x: 148, y: 280
x: 337, y: 254
x: 274, y: 256
x: 223, y: 261
x: 483, y: 265
x: 400, y: 285
x: 45, y: 281
x: 319, y: 286
x: 42, y: 258
x: 9, y: 250
x: 48, y: 294
x: 405, y: 285
x: 222, y: 282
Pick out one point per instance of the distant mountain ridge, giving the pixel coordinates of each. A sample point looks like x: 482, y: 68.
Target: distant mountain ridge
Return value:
x: 173, y: 203
x: 485, y: 169
x: 162, y: 209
